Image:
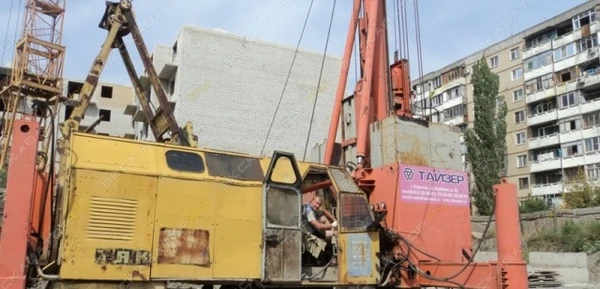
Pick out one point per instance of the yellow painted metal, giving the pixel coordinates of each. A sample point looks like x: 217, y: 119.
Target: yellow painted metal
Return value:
x: 107, y: 216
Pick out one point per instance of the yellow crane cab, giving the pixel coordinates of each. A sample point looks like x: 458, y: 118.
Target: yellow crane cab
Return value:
x: 141, y: 211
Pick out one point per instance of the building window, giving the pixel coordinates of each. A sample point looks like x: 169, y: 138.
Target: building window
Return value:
x: 519, y: 116
x: 538, y: 61
x: 106, y: 92
x: 494, y: 62
x: 105, y: 115
x: 570, y: 125
x: 592, y: 144
x: 516, y: 74
x: 521, y: 161
x: 437, y: 82
x: 584, y: 18
x: 517, y: 95
x: 572, y: 149
x: 523, y: 183
x: 565, y: 51
x: 587, y: 43
x: 591, y: 120
x: 593, y: 171
x: 514, y: 53
x: 520, y: 137
x: 567, y: 100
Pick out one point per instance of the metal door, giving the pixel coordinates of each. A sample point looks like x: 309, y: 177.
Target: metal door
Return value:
x: 282, y: 238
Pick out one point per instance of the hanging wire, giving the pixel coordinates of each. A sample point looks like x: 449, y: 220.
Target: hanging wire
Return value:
x: 3, y: 47
x: 287, y: 79
x: 319, y: 83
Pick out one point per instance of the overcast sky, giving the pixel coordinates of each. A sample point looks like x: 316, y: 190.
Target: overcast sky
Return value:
x: 450, y: 29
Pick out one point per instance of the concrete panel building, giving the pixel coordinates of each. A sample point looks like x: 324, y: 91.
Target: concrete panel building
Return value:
x: 229, y: 86
x: 549, y: 82
x: 108, y: 101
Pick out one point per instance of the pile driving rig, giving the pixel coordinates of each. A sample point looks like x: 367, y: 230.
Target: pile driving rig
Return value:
x: 131, y: 213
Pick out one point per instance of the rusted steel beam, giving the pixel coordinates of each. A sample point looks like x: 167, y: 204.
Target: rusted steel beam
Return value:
x: 160, y: 93
x: 137, y: 86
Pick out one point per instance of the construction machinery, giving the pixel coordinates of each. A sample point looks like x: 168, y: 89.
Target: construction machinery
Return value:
x: 158, y: 214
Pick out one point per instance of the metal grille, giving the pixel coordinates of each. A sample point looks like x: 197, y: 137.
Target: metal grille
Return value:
x: 354, y: 213
x: 343, y: 181
x: 112, y: 219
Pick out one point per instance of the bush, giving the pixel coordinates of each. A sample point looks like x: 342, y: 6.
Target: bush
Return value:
x: 570, y: 237
x: 580, y: 192
x: 532, y: 205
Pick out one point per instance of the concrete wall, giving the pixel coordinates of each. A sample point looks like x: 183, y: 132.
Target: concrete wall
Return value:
x: 229, y: 87
x: 535, y: 222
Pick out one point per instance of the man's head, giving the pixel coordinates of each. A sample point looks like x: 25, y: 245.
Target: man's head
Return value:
x: 315, y: 203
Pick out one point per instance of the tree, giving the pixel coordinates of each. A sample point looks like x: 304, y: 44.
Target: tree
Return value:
x: 580, y: 192
x: 2, y: 178
x: 486, y: 141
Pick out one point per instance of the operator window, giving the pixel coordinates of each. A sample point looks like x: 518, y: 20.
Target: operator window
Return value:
x: 184, y: 161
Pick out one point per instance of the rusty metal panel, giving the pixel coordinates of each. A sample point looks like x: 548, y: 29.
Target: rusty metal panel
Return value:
x: 415, y: 142
x: 183, y: 246
x: 282, y: 258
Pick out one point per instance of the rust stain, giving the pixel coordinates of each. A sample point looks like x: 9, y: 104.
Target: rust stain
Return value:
x: 103, y: 267
x: 414, y: 156
x: 183, y: 246
x: 137, y: 274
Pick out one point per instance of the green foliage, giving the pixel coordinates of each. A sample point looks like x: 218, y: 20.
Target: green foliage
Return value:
x: 580, y: 192
x: 486, y: 142
x: 532, y: 205
x: 570, y: 237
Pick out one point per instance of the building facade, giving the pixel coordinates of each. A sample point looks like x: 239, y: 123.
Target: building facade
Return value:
x: 229, y: 87
x: 108, y: 102
x: 548, y: 80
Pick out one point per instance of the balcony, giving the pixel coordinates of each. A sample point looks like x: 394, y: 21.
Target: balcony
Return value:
x: 541, y: 95
x: 570, y: 136
x: 543, y: 141
x: 569, y: 111
x: 590, y: 106
x: 546, y: 165
x: 546, y: 189
x: 454, y: 121
x: 575, y: 35
x: 591, y: 80
x: 537, y: 72
x: 573, y: 161
x: 577, y: 59
x: 565, y: 87
x: 543, y: 117
x: 537, y: 50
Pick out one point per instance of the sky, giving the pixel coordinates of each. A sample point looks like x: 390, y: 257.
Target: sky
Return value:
x: 449, y: 29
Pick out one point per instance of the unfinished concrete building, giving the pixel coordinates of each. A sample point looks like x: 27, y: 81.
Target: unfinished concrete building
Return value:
x: 229, y: 87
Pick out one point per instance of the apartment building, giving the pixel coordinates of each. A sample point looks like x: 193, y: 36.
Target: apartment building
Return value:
x: 229, y: 87
x: 548, y: 80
